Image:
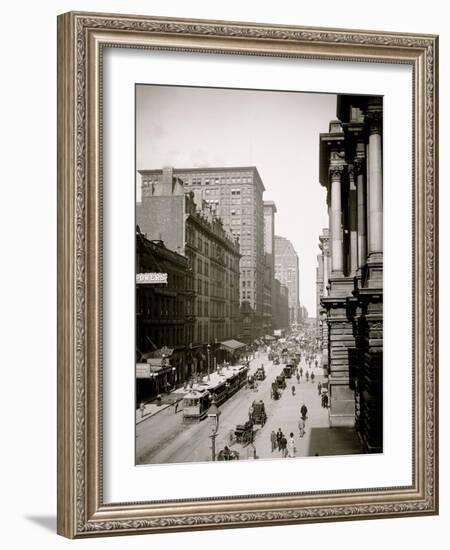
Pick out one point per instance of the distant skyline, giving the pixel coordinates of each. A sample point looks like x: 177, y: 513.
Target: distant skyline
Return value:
x: 278, y: 132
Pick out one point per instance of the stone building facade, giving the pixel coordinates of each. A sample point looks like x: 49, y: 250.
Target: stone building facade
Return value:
x: 164, y: 314
x: 270, y: 210
x: 280, y: 306
x: 287, y: 272
x: 169, y: 211
x: 352, y: 259
x: 235, y: 195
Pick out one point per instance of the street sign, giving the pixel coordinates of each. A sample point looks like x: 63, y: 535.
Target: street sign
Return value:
x: 151, y: 278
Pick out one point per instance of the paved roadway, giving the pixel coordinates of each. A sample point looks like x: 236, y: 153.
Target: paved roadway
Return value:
x: 164, y: 438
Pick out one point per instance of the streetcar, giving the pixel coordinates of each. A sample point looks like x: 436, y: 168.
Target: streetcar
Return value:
x: 220, y: 386
x: 196, y: 405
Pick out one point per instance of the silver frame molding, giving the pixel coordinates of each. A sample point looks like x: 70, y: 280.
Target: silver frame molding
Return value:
x: 81, y: 37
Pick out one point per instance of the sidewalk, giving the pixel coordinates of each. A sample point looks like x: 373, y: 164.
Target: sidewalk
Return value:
x: 319, y: 439
x: 150, y: 409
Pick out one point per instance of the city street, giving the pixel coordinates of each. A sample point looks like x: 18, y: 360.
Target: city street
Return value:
x: 164, y: 438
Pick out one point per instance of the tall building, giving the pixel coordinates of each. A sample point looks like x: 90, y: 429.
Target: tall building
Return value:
x: 351, y: 171
x: 269, y: 257
x: 280, y: 306
x: 170, y: 213
x: 287, y: 272
x: 235, y: 196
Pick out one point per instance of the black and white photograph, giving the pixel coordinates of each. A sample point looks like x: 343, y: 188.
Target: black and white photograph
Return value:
x: 259, y: 274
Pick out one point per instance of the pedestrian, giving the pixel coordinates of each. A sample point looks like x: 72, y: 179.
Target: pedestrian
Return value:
x: 325, y: 401
x: 283, y: 447
x: 304, y: 411
x: 273, y: 440
x: 316, y: 363
x: 298, y: 378
x: 293, y: 391
x: 307, y: 376
x: 279, y: 438
x: 319, y: 387
x: 291, y: 446
x: 312, y: 377
x: 301, y: 427
x: 301, y: 372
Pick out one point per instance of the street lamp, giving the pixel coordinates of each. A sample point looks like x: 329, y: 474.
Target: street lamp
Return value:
x: 208, y: 347
x: 174, y: 377
x: 213, y: 415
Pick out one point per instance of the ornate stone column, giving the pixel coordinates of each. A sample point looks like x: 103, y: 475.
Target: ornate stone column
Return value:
x: 353, y: 221
x: 360, y: 170
x: 375, y: 183
x: 324, y: 247
x: 337, y: 257
x: 326, y: 268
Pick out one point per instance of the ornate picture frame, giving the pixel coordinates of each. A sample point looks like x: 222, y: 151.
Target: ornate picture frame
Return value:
x: 82, y: 38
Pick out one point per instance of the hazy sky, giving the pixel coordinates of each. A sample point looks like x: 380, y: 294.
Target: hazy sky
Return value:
x: 278, y: 132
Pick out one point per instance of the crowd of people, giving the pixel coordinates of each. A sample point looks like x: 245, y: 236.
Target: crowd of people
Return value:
x: 285, y: 443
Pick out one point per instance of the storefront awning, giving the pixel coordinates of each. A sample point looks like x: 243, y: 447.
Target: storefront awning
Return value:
x: 151, y: 369
x: 231, y: 345
x: 158, y: 353
x: 155, y: 362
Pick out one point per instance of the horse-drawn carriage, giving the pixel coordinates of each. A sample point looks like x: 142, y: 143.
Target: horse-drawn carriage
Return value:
x: 257, y: 413
x: 281, y: 382
x: 260, y: 373
x: 287, y: 371
x: 275, y: 392
x: 244, y: 433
